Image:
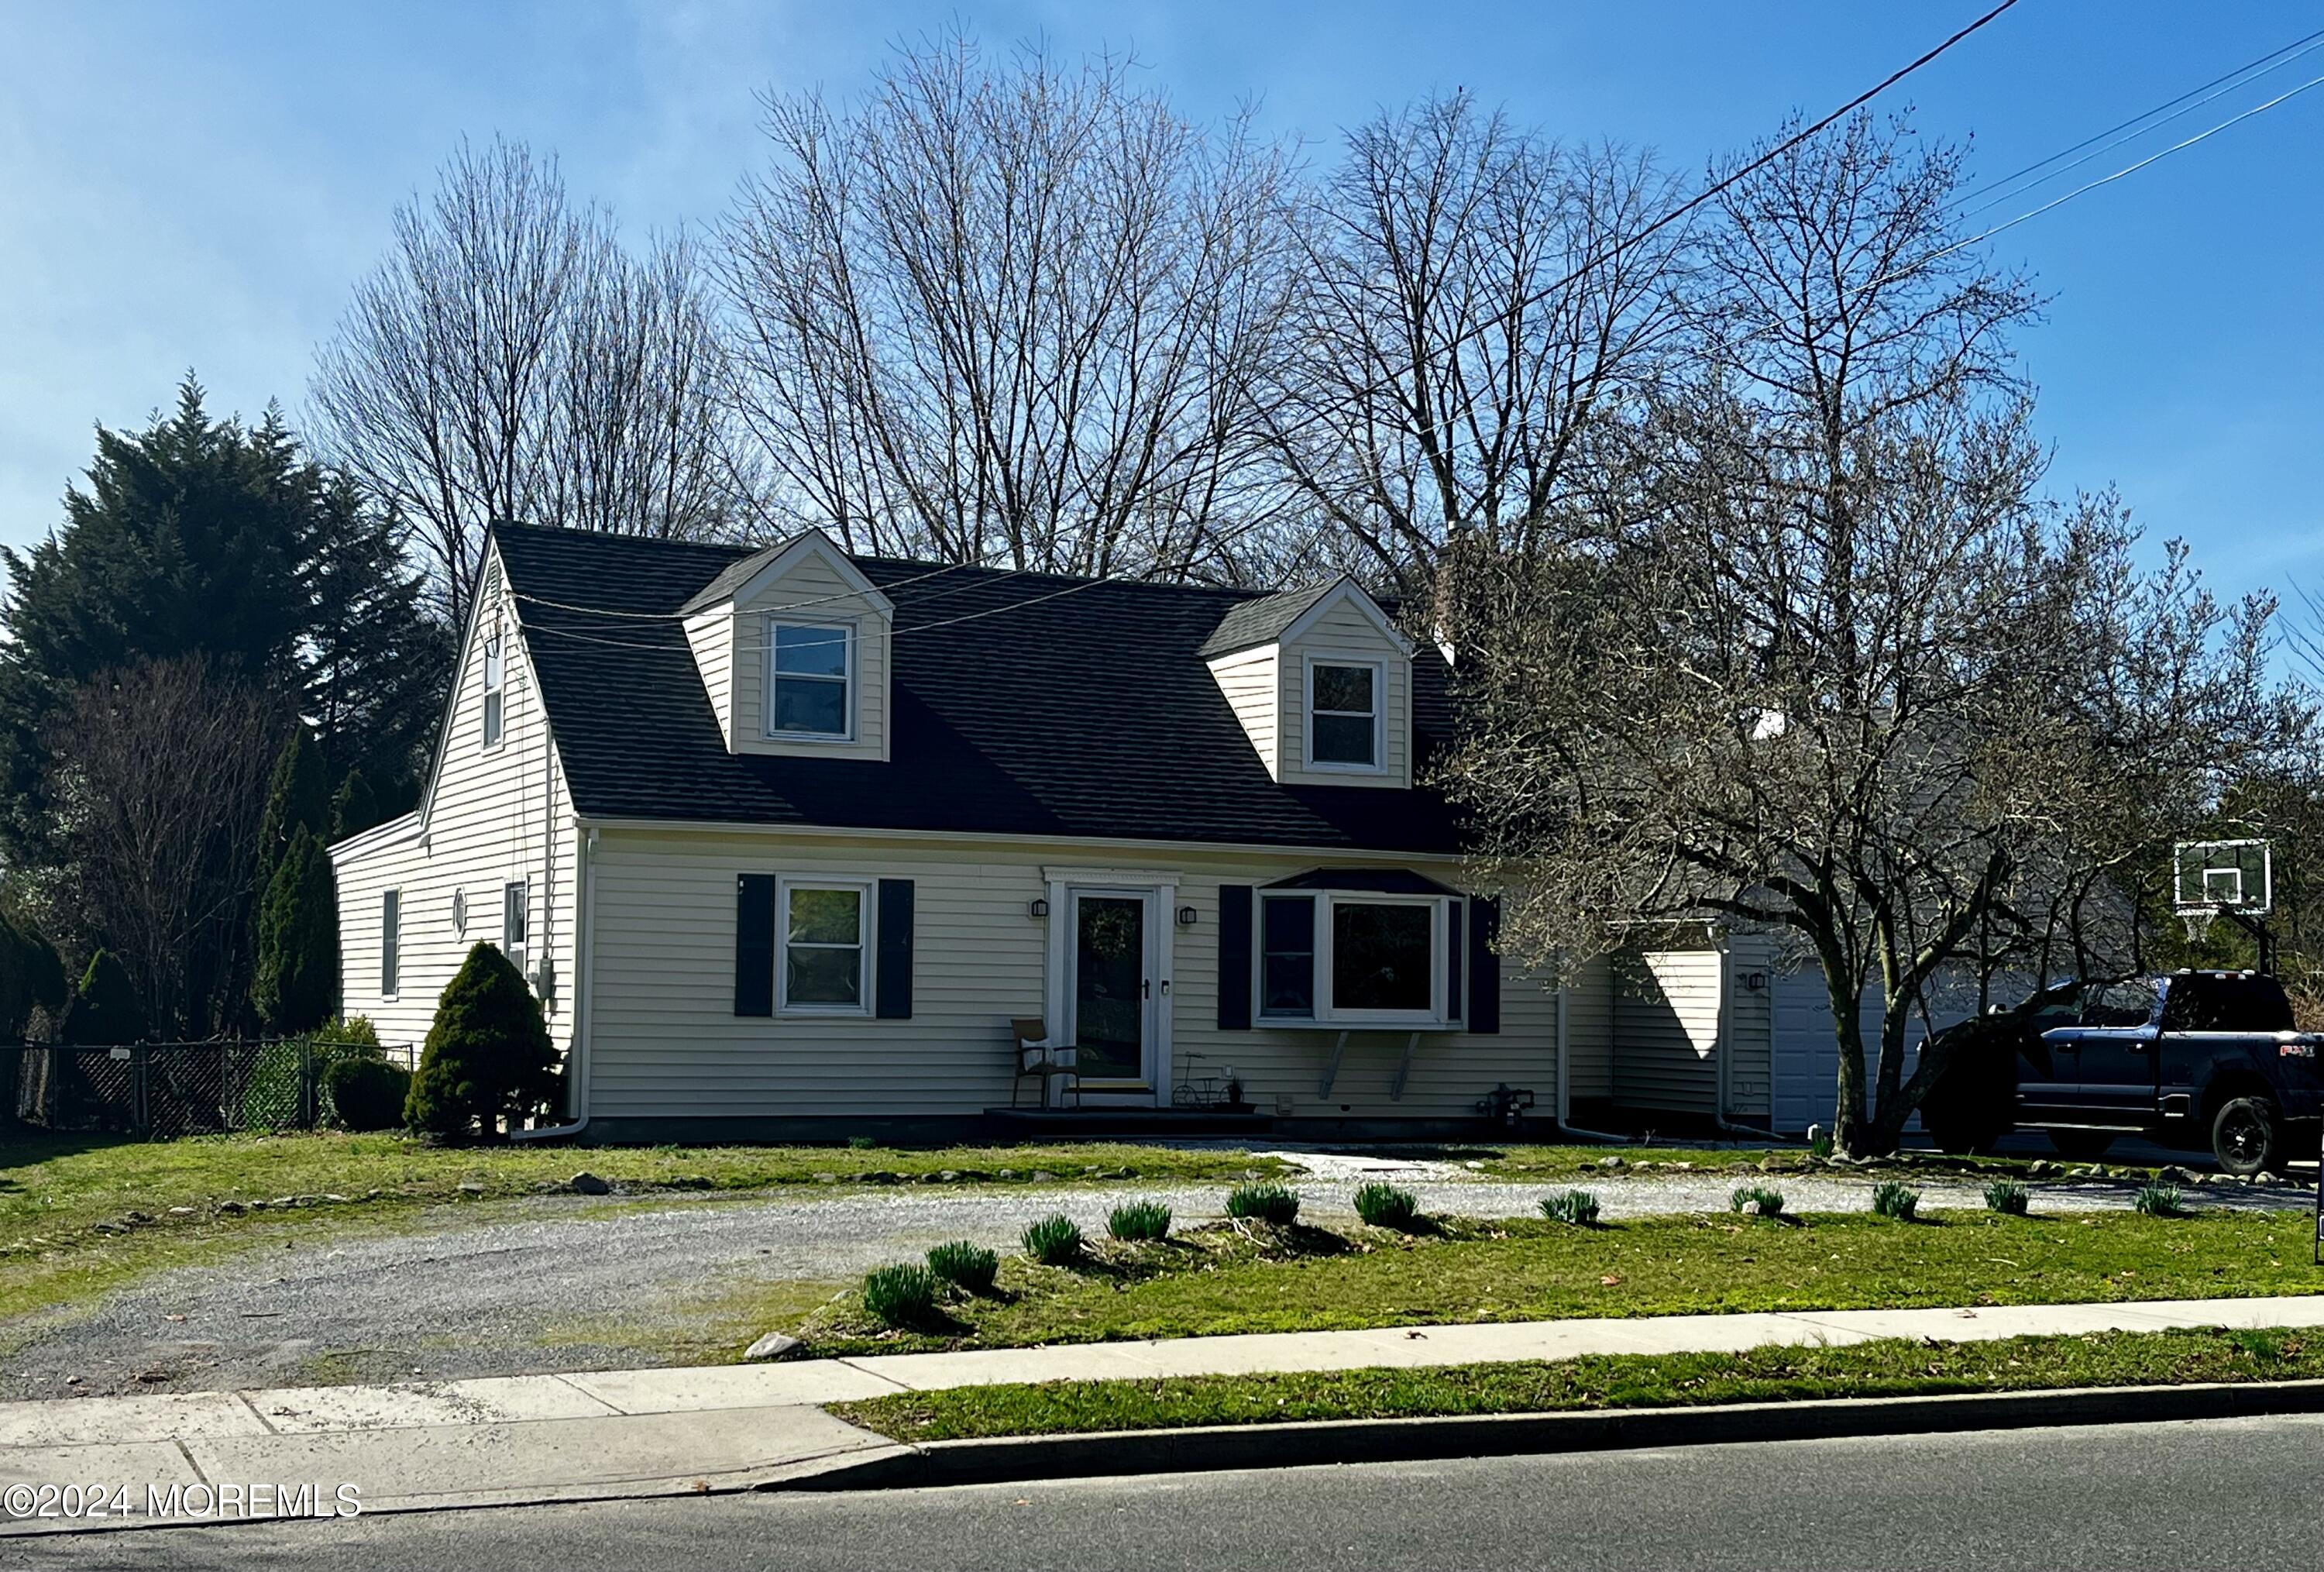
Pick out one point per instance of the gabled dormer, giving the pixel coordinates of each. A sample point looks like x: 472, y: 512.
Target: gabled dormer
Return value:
x: 1321, y: 682
x: 793, y: 644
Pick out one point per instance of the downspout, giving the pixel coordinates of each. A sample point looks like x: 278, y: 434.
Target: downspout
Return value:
x: 585, y: 933
x: 1725, y: 1044
x: 1561, y: 1121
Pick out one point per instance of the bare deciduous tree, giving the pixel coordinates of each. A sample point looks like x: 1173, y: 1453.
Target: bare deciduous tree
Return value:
x: 1482, y: 312
x: 510, y: 360
x: 1014, y: 313
x: 1849, y: 677
x: 159, y: 771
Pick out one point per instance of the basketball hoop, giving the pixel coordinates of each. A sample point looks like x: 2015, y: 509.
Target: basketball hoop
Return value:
x: 2234, y: 879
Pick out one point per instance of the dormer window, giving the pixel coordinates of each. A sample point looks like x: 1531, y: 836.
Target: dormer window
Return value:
x: 811, y: 680
x: 495, y: 675
x: 1344, y: 715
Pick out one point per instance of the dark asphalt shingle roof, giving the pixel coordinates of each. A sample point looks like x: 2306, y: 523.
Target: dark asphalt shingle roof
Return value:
x: 1262, y: 620
x: 1090, y: 713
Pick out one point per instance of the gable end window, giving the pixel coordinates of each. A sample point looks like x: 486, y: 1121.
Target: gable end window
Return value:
x: 811, y: 680
x: 390, y: 940
x: 495, y: 682
x: 1344, y: 715
x: 822, y: 968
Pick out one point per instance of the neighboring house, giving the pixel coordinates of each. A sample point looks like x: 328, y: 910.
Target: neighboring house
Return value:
x: 786, y: 839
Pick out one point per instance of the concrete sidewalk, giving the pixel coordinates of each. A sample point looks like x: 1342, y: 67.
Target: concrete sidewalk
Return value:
x: 645, y: 1432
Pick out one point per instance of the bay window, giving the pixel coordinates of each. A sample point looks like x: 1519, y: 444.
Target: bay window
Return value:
x: 1336, y: 956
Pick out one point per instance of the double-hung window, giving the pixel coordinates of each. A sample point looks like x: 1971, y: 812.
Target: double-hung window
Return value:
x: 514, y: 923
x: 1356, y: 957
x: 811, y: 679
x: 1344, y: 713
x: 824, y: 968
x: 495, y: 682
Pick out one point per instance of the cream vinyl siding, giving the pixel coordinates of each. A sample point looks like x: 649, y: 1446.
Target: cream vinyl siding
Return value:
x: 1589, y: 1030
x: 666, y: 1043
x: 1248, y: 680
x: 1667, y: 1031
x: 711, y: 633
x: 493, y: 817
x: 1343, y: 632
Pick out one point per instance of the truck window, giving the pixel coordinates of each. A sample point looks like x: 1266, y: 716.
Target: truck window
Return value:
x: 2201, y: 1002
x: 2130, y: 1002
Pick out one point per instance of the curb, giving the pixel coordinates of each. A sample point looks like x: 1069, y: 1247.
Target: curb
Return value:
x: 1198, y: 1449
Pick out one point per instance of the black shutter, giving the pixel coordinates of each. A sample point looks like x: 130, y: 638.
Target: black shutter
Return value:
x: 1484, y: 966
x: 1234, y: 958
x: 1456, y: 958
x: 754, y: 944
x: 893, y: 991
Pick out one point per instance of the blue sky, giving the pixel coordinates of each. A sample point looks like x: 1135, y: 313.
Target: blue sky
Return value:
x: 199, y: 185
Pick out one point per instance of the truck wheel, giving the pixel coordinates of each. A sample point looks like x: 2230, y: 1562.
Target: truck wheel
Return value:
x: 2081, y: 1145
x: 2246, y: 1136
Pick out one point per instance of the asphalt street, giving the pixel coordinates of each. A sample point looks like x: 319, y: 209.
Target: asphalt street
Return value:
x: 2230, y: 1495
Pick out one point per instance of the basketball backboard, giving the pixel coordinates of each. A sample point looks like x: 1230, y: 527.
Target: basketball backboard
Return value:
x: 2216, y: 875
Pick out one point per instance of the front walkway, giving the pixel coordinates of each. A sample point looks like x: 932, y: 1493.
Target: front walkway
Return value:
x: 670, y: 1431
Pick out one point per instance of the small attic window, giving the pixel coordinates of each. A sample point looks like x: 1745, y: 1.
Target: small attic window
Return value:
x: 1343, y: 715
x: 810, y: 681
x: 495, y: 682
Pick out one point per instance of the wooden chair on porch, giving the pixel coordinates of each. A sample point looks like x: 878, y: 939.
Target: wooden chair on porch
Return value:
x: 1049, y: 1065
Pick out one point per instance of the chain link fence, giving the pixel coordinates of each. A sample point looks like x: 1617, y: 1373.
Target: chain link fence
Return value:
x: 168, y: 1090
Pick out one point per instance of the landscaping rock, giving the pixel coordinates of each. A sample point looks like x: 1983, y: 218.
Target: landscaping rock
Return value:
x: 826, y: 1179
x: 232, y: 1208
x: 2040, y: 1169
x: 184, y: 1211
x: 1611, y: 1162
x: 773, y: 1345
x: 1041, y: 1174
x: 948, y: 1175
x: 880, y: 1176
x: 472, y: 1187
x: 586, y: 1183
x: 2172, y: 1174
x: 1749, y: 1208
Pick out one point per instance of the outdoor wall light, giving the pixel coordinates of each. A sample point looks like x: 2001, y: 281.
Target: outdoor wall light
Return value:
x: 1185, y: 917
x: 1755, y: 982
x: 1037, y: 908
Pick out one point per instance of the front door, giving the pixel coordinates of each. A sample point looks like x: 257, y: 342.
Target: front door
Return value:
x: 1112, y: 992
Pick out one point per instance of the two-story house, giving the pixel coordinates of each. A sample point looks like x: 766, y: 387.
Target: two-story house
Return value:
x: 787, y: 839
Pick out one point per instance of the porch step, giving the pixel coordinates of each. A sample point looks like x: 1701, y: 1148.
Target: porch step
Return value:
x: 1148, y: 1122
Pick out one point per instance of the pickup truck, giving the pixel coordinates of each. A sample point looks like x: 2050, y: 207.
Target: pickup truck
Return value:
x: 2187, y: 1060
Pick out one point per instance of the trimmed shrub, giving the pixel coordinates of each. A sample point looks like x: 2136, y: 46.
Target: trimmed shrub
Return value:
x: 1386, y: 1207
x: 1139, y: 1220
x: 487, y: 1057
x: 2007, y: 1197
x: 1579, y: 1208
x: 1759, y: 1198
x: 298, y: 975
x: 968, y: 1267
x: 366, y: 1093
x: 1265, y: 1201
x: 1891, y: 1199
x: 105, y: 1010
x: 2159, y: 1201
x: 900, y: 1296
x: 1054, y: 1241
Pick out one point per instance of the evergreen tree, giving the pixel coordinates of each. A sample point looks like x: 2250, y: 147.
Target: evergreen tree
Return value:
x: 296, y: 799
x: 31, y: 977
x: 376, y: 665
x: 298, y: 982
x: 487, y: 1057
x: 106, y: 1008
x: 356, y: 808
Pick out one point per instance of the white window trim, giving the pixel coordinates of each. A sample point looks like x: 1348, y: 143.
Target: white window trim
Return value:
x: 867, y: 928
x: 391, y: 944
x: 495, y: 687
x: 523, y: 959
x: 1434, y: 1018
x: 1314, y: 658
x: 852, y: 628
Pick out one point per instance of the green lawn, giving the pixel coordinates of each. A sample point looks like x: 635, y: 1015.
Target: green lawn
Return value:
x: 1214, y: 1281
x: 67, y: 1228
x: 1882, y: 1369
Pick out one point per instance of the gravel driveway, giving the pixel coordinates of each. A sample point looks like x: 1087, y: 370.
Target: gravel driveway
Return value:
x: 558, y: 1282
